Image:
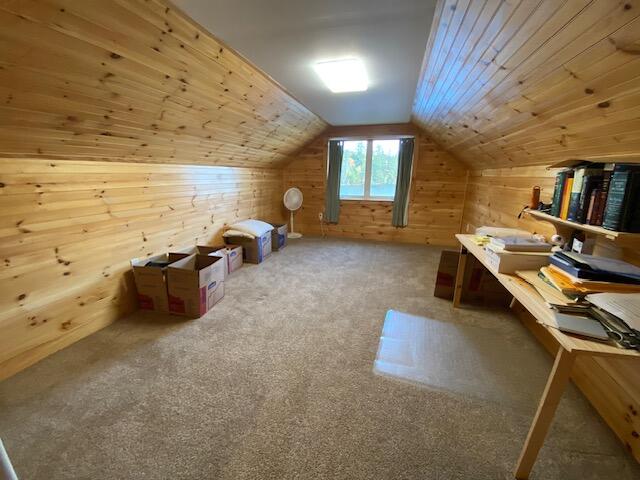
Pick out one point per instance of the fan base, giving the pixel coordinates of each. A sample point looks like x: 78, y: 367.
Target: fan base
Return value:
x: 294, y: 235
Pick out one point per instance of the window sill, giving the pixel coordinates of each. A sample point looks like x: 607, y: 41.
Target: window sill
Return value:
x: 362, y: 199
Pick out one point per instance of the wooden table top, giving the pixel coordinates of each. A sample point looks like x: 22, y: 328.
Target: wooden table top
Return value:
x: 535, y: 304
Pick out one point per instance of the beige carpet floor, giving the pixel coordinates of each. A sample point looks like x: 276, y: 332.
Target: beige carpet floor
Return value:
x: 278, y: 382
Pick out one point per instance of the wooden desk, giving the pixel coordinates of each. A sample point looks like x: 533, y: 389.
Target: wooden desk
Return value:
x: 570, y: 348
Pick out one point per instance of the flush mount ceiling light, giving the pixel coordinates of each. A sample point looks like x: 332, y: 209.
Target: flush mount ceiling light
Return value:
x: 341, y: 76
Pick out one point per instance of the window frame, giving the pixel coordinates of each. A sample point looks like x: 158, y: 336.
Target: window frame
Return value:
x: 366, y: 197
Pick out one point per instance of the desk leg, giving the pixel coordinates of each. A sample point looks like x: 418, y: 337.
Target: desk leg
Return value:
x: 546, y: 410
x: 457, y: 289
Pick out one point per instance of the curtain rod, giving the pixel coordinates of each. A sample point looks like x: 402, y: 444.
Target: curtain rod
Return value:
x: 372, y: 137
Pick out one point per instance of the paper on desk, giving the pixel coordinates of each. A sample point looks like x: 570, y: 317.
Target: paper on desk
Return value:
x: 550, y: 295
x: 625, y: 306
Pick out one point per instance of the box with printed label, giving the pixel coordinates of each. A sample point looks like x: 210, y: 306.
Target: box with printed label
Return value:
x: 278, y: 236
x: 231, y: 253
x: 234, y: 257
x: 217, y: 250
x: 254, y: 250
x: 196, y: 284
x: 150, y: 276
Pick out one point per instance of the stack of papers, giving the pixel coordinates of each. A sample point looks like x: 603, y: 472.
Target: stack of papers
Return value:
x: 550, y: 294
x: 625, y: 306
x: 519, y: 244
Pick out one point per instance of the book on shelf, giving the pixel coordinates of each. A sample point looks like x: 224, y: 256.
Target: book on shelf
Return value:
x: 594, y: 203
x: 631, y: 215
x: 574, y: 194
x: 591, y: 181
x: 598, y: 213
x: 585, y: 179
x: 558, y: 189
x: 621, y: 211
x: 566, y: 195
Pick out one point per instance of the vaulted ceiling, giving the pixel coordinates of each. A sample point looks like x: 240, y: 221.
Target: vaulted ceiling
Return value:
x: 286, y: 38
x: 136, y: 81
x: 525, y: 82
x: 503, y: 82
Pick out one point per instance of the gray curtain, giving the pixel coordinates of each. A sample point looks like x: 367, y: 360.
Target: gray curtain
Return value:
x: 332, y: 195
x: 403, y: 184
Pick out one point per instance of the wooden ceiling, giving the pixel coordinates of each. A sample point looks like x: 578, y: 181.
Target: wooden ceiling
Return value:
x: 524, y: 82
x: 134, y: 80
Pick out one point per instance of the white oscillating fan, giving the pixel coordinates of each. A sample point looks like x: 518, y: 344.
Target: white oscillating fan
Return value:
x: 293, y: 201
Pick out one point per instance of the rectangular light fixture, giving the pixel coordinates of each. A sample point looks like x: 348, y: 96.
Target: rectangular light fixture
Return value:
x: 341, y: 76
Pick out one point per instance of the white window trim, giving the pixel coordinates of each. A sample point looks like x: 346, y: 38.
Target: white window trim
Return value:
x: 367, y: 168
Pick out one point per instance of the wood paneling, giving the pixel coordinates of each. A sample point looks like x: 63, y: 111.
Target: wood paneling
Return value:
x: 69, y: 228
x: 138, y: 81
x: 530, y: 82
x: 436, y: 199
x: 495, y: 197
x: 85, y: 86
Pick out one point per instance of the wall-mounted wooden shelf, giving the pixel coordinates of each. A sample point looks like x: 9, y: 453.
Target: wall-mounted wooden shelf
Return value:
x: 625, y: 238
x: 573, y: 162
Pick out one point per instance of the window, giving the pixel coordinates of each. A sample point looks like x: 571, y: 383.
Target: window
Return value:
x: 369, y: 169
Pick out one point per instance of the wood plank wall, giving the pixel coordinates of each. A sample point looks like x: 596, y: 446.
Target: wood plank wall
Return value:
x: 531, y: 82
x: 69, y: 228
x: 436, y: 198
x: 138, y: 81
x: 497, y: 196
x: 86, y: 87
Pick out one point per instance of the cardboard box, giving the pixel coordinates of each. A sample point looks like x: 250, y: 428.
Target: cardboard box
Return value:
x: 278, y: 236
x: 479, y: 286
x: 234, y: 257
x: 231, y: 253
x: 509, y: 262
x: 151, y: 280
x: 446, y: 276
x: 216, y: 250
x: 195, y: 284
x: 254, y: 250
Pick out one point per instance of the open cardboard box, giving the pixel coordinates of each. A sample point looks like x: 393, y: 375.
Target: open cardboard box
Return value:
x: 254, y: 250
x: 151, y: 280
x: 231, y: 253
x: 195, y: 284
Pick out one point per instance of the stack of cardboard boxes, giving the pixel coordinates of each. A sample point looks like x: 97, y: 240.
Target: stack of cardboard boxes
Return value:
x: 190, y: 282
x: 187, y: 283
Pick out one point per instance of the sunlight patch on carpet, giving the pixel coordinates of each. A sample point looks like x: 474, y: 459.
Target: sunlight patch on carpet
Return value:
x: 462, y: 359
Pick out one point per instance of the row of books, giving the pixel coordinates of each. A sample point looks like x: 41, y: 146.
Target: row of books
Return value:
x: 599, y: 194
